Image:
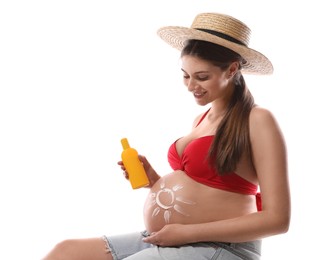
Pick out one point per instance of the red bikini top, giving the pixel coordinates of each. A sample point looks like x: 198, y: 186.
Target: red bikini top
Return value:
x: 194, y: 163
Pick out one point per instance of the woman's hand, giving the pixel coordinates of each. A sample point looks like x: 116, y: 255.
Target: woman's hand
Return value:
x: 151, y: 173
x: 170, y: 235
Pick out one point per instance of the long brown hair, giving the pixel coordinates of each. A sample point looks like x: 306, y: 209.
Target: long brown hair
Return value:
x: 232, y: 137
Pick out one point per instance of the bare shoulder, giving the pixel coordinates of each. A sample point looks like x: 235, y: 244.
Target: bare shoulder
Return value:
x: 263, y: 124
x: 260, y: 115
x: 261, y: 119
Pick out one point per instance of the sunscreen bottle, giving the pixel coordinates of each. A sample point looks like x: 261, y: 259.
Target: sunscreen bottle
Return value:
x: 136, y: 172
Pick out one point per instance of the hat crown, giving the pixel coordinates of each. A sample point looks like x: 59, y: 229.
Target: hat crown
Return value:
x: 223, y: 24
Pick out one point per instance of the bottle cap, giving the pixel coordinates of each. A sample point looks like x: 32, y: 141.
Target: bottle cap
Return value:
x: 125, y: 143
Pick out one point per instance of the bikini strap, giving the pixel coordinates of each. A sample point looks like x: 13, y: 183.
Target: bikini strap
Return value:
x: 203, y: 116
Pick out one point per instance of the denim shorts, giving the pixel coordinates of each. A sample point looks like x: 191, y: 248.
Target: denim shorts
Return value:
x: 131, y: 247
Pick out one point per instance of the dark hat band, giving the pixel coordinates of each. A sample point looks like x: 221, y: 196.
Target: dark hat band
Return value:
x: 222, y: 35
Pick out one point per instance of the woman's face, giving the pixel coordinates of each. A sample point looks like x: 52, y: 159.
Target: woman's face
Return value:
x: 206, y: 81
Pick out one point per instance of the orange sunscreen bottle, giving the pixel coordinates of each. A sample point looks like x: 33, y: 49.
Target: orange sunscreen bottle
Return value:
x: 136, y: 172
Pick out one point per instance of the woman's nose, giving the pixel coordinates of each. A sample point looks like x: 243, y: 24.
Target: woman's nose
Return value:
x: 191, y: 84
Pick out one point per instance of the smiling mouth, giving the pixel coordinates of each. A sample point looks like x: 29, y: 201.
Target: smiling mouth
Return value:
x: 198, y: 94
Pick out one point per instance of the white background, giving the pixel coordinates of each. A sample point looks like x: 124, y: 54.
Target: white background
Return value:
x: 77, y: 76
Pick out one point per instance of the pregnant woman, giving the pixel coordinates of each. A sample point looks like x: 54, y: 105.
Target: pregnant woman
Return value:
x: 229, y: 186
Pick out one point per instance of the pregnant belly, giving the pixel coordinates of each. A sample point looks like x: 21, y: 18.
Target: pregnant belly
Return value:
x: 176, y: 198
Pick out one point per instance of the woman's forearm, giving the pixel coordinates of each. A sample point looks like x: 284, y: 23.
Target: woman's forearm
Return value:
x: 242, y: 229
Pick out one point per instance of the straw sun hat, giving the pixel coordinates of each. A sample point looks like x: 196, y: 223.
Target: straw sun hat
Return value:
x: 223, y: 30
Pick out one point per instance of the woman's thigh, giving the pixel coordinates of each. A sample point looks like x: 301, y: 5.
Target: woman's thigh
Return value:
x: 202, y: 251
x: 125, y: 245
x: 186, y: 252
x: 131, y: 247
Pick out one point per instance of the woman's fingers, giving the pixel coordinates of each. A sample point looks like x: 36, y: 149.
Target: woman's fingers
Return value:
x: 125, y: 175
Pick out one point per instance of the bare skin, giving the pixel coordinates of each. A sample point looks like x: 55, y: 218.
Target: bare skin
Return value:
x: 269, y: 160
x: 80, y: 249
x: 238, y: 221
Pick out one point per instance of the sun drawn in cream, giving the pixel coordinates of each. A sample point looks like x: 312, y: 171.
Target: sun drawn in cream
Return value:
x: 166, y: 200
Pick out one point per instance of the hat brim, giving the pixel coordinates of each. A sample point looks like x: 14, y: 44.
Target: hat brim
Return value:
x: 256, y: 62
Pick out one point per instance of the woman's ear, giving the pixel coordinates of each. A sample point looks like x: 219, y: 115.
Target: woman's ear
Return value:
x: 232, y: 69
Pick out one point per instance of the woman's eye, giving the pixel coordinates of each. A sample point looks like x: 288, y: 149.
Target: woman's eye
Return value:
x: 203, y: 78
